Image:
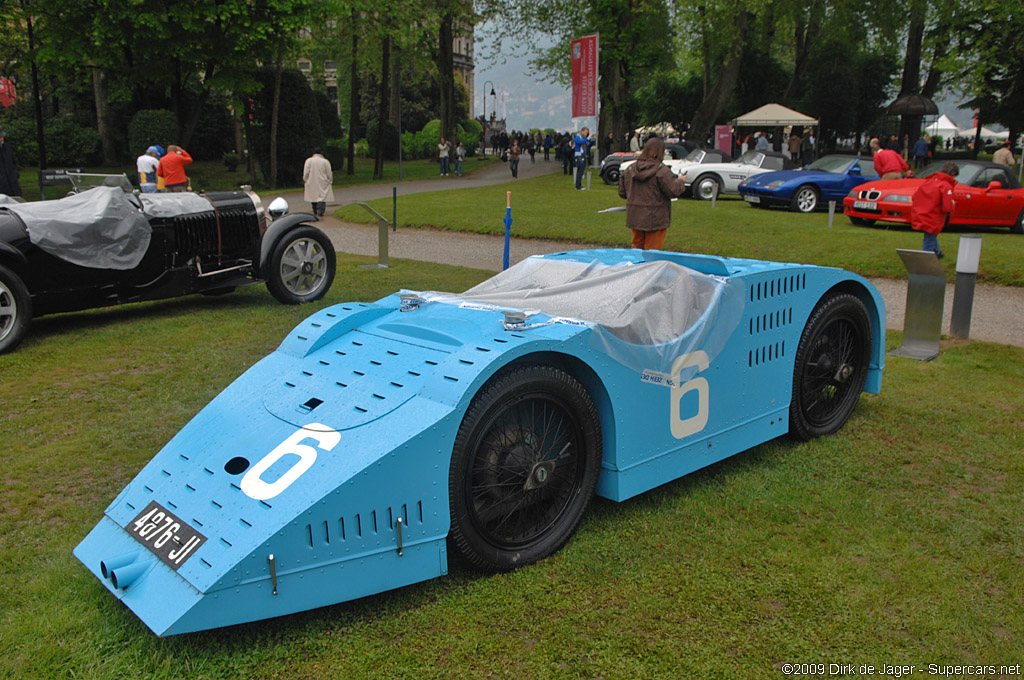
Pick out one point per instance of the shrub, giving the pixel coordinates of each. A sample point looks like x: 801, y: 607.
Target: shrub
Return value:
x: 298, y: 127
x: 426, y: 140
x: 390, y: 140
x: 149, y: 127
x: 469, y: 134
x: 67, y: 142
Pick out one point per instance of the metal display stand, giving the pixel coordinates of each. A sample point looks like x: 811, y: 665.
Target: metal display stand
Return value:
x: 926, y: 295
x: 382, y: 240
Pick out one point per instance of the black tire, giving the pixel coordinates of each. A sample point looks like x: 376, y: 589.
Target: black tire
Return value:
x: 524, y: 467
x: 830, y: 368
x: 611, y: 176
x: 862, y: 221
x: 1018, y: 226
x: 15, y: 310
x: 302, y: 266
x: 705, y: 187
x: 805, y: 199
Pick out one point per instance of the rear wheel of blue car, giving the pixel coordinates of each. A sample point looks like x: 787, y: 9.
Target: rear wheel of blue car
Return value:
x: 831, y: 366
x: 15, y: 310
x: 302, y: 266
x: 805, y: 199
x: 524, y: 467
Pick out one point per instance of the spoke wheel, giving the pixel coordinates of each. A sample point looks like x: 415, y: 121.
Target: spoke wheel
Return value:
x: 302, y: 266
x: 830, y: 368
x: 805, y: 199
x: 15, y: 310
x: 524, y: 467
x: 611, y: 176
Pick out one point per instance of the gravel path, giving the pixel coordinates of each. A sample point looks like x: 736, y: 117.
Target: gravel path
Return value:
x: 998, y: 314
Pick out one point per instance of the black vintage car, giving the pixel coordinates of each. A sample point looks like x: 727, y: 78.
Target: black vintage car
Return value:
x: 105, y: 244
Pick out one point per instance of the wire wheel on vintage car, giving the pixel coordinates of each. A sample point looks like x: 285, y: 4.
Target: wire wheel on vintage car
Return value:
x: 611, y: 175
x: 15, y: 310
x: 706, y: 187
x: 805, y: 199
x: 831, y: 366
x: 302, y: 266
x: 524, y: 467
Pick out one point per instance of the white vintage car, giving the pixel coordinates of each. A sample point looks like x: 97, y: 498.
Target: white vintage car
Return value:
x: 694, y: 158
x: 710, y: 179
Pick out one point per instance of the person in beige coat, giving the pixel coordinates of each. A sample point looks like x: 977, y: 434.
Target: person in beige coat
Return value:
x: 648, y: 187
x: 318, y: 177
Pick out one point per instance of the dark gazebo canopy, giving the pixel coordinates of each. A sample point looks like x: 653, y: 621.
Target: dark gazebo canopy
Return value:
x: 913, y: 105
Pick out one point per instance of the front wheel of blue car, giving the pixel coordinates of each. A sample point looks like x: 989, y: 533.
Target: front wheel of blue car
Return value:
x: 524, y: 467
x: 831, y: 366
x: 15, y: 310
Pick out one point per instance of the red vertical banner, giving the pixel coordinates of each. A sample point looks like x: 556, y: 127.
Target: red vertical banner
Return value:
x: 584, y: 76
x: 723, y: 138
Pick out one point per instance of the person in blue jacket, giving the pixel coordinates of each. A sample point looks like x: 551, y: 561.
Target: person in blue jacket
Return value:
x: 581, y: 152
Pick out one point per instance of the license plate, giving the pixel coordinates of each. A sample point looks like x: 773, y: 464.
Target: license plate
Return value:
x: 865, y: 205
x: 166, y: 536
x: 751, y: 199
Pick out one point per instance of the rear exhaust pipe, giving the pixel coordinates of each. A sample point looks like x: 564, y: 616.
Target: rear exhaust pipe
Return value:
x: 108, y: 566
x: 124, y: 576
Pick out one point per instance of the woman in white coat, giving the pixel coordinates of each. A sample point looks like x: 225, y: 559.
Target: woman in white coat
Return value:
x: 318, y: 177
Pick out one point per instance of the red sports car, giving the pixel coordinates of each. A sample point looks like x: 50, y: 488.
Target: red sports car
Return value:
x: 985, y: 194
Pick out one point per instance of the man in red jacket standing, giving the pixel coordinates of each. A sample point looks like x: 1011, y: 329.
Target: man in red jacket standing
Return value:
x: 172, y: 168
x: 931, y: 205
x: 888, y: 163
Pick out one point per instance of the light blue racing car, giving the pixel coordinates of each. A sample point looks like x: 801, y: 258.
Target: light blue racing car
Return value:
x: 380, y: 435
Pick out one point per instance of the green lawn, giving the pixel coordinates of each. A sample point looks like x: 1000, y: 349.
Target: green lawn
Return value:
x: 899, y: 540
x: 548, y: 207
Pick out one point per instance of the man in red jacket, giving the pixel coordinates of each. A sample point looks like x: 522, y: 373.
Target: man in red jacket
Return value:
x: 931, y: 205
x: 172, y: 168
x: 888, y: 163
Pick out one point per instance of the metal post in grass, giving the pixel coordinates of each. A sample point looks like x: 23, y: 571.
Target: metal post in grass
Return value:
x: 382, y: 240
x: 967, y: 258
x: 831, y: 213
x: 394, y: 208
x: 508, y: 227
x: 926, y: 293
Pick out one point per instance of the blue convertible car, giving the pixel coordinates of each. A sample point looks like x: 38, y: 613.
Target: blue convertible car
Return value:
x: 830, y: 178
x: 379, y: 436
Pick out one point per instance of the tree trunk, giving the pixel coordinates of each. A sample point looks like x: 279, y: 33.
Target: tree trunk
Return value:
x: 382, y: 117
x: 36, y: 101
x: 274, y: 111
x: 707, y: 113
x: 353, y: 112
x: 446, y: 75
x: 99, y: 89
x: 193, y: 119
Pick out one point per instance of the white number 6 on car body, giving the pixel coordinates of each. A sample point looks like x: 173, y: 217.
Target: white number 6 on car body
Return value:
x: 252, y: 484
x: 684, y: 428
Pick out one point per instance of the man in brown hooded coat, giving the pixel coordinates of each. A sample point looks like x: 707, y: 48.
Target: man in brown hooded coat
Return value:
x: 648, y: 187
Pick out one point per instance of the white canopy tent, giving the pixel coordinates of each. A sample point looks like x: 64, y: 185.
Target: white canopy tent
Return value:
x: 986, y: 133
x: 944, y: 127
x: 774, y: 115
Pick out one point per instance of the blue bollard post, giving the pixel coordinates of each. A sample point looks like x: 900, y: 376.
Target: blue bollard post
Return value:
x: 508, y: 228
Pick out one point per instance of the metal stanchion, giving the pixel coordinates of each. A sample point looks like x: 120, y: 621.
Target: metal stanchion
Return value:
x: 926, y: 294
x: 831, y: 213
x: 967, y: 258
x: 382, y: 240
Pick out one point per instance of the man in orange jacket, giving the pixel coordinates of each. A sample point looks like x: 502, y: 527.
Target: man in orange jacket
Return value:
x: 931, y: 205
x: 172, y: 168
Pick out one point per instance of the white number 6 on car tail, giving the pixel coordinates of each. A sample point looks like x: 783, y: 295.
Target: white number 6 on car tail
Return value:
x: 252, y: 483
x: 684, y: 428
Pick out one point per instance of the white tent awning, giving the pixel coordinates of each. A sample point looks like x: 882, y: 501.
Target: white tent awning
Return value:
x: 944, y: 127
x: 774, y: 115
